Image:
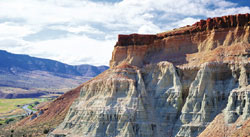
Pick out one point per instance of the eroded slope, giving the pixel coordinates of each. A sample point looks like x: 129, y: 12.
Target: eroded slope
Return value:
x: 177, y: 83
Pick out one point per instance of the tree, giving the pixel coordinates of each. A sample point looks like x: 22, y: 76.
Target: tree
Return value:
x: 36, y: 103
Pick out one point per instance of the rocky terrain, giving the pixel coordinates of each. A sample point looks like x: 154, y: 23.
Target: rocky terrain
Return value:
x: 191, y: 81
x: 184, y: 82
x: 22, y: 76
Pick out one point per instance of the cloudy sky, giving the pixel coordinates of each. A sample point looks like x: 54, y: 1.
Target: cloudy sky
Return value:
x: 85, y: 31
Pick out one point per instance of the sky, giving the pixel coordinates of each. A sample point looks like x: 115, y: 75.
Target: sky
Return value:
x: 85, y: 31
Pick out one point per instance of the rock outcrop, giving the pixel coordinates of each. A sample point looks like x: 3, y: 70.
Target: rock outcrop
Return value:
x: 234, y: 119
x: 179, y: 83
x: 230, y: 21
x: 221, y: 44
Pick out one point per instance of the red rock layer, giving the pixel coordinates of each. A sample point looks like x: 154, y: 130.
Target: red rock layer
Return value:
x: 203, y: 25
x: 135, y: 39
x: 180, y: 45
x: 223, y: 22
x: 218, y: 128
x: 211, y: 23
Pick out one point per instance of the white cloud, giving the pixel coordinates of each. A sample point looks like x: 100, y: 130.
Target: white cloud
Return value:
x: 77, y: 29
x: 228, y: 11
x: 149, y: 29
x: 90, y: 20
x: 73, y: 49
x: 9, y: 29
x: 185, y: 22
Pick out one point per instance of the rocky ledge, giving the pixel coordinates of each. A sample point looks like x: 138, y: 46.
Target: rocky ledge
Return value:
x: 135, y: 39
x: 229, y: 21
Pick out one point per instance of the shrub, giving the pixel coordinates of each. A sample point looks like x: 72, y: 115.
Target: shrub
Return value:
x: 9, y: 120
x: 45, y: 131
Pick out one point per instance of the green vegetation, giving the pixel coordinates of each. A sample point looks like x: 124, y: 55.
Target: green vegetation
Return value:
x: 7, y: 105
x: 5, y: 121
x: 31, y: 107
x: 2, y: 121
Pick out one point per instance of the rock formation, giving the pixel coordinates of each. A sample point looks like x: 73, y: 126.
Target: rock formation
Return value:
x: 179, y: 83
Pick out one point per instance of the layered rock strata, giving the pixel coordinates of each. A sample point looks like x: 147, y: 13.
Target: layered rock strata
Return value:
x: 169, y: 84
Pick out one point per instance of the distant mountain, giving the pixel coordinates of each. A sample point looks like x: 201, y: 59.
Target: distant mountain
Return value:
x: 15, y: 63
x: 89, y: 70
x: 26, y: 76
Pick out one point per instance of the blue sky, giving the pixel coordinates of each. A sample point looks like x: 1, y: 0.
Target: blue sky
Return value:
x: 85, y: 31
x: 241, y: 2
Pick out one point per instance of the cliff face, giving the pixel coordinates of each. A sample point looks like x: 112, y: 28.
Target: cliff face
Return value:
x: 185, y: 82
x: 185, y: 45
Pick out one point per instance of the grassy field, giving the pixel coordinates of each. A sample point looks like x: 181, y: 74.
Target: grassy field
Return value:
x: 9, y: 105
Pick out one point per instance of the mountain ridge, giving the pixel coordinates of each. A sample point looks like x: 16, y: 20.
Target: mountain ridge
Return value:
x: 23, y: 76
x: 21, y: 62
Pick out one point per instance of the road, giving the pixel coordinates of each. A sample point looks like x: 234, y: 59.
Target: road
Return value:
x: 28, y: 111
x: 25, y: 108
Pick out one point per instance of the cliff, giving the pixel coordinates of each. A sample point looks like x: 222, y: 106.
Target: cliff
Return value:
x: 185, y: 45
x: 184, y: 83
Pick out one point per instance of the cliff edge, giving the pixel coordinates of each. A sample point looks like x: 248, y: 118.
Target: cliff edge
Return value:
x: 184, y: 46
